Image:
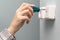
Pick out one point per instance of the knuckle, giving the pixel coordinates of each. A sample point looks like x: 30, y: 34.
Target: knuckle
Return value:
x: 31, y: 9
x: 28, y: 11
x: 24, y: 3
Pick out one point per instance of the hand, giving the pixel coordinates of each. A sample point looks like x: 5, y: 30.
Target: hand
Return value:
x: 23, y: 13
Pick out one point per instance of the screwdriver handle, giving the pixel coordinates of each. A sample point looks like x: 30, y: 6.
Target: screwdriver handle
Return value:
x: 36, y: 9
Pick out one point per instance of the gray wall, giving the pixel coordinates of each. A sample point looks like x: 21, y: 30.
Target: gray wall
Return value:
x: 50, y: 30
x: 28, y: 31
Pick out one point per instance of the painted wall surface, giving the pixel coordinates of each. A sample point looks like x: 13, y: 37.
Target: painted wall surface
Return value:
x: 50, y: 30
x: 28, y: 31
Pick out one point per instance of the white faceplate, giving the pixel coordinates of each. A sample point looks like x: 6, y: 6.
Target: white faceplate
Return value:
x: 47, y: 12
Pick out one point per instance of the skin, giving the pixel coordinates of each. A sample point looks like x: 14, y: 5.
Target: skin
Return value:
x: 23, y: 14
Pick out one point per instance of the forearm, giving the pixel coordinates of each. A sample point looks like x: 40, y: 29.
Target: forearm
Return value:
x: 14, y: 24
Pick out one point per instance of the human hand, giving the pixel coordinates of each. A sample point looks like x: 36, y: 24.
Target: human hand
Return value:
x: 23, y: 13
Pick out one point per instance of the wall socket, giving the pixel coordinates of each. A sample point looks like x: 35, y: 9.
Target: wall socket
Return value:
x: 47, y: 12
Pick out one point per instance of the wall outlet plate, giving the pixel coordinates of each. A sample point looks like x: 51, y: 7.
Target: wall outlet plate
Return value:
x: 47, y: 12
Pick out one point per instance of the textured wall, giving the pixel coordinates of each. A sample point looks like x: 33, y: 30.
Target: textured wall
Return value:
x: 7, y: 10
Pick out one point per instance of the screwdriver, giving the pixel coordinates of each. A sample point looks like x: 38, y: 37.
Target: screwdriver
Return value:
x: 36, y: 9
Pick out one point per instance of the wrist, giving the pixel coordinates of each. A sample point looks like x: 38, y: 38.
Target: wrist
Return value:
x: 11, y: 30
x: 15, y: 25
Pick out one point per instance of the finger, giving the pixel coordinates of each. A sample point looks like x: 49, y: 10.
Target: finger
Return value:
x: 24, y: 4
x: 26, y: 13
x: 24, y: 7
x: 24, y: 18
x: 31, y: 10
x: 21, y: 6
x: 28, y: 4
x: 27, y: 7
